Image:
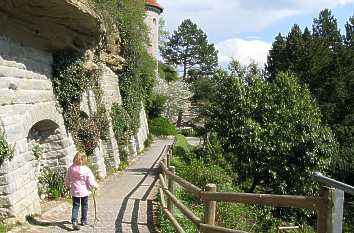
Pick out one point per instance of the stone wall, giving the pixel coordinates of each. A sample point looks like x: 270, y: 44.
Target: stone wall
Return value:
x: 143, y: 131
x: 28, y: 114
x: 111, y: 94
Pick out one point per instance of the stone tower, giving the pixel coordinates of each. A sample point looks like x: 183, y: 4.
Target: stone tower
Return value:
x: 153, y: 11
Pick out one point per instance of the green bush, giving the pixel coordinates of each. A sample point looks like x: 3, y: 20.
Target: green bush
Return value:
x: 167, y: 72
x: 156, y: 105
x: 161, y: 127
x: 3, y: 228
x: 6, y: 151
x: 51, y: 183
x: 200, y: 171
x: 188, y: 132
x: 120, y: 123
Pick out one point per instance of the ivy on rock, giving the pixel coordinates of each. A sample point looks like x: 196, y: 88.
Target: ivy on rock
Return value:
x: 70, y: 80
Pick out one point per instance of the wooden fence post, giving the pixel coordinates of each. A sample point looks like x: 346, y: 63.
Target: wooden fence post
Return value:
x: 330, y: 215
x: 172, y: 189
x: 168, y: 159
x: 164, y: 161
x: 210, y: 207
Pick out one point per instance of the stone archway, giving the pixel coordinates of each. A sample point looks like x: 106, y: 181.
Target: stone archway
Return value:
x: 48, y: 146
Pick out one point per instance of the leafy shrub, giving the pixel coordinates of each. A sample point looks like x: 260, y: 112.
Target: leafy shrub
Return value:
x: 123, y: 154
x: 51, y: 183
x: 120, y: 123
x: 167, y: 72
x: 123, y: 165
x: 87, y: 135
x: 161, y: 127
x: 188, y: 132
x: 201, y: 170
x: 6, y: 151
x: 156, y: 105
x: 272, y: 132
x: 70, y: 80
x: 3, y: 228
x: 137, y: 76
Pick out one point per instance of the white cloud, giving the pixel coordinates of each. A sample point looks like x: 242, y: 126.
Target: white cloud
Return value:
x: 244, y: 51
x: 223, y: 19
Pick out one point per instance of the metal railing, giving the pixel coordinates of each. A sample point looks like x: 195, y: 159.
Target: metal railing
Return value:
x: 333, y: 183
x: 338, y: 198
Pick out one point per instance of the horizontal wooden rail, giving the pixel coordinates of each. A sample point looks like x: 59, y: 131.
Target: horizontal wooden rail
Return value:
x: 205, y: 228
x: 189, y: 214
x: 170, y: 217
x: 191, y: 188
x: 325, y: 204
x: 265, y: 199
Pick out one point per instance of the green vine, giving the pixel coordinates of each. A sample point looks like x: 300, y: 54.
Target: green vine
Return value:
x: 6, y: 151
x: 70, y: 80
x: 136, y: 79
x: 120, y: 123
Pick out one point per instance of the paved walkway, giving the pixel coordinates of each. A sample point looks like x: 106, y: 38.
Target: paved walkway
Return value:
x: 124, y: 201
x: 194, y: 141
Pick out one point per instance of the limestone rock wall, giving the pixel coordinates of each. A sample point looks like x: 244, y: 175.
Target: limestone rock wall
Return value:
x: 106, y: 155
x: 110, y: 86
x: 143, y: 131
x: 28, y: 114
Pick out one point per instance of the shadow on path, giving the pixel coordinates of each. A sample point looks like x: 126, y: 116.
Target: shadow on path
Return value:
x: 65, y: 225
x: 152, y: 171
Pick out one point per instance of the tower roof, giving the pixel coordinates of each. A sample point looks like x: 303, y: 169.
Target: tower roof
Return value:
x: 154, y: 4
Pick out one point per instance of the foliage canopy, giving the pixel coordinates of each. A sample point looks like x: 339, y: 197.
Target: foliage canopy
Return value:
x: 271, y: 131
x: 188, y: 47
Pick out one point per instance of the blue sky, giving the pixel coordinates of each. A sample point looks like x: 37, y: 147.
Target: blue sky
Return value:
x: 245, y: 29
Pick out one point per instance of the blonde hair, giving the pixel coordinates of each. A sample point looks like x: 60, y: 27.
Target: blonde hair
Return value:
x: 80, y: 159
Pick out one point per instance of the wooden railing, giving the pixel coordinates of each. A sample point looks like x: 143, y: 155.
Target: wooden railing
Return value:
x: 324, y: 204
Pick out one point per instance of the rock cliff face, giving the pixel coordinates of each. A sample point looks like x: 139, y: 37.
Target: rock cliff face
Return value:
x: 29, y: 116
x: 50, y: 24
x: 30, y: 32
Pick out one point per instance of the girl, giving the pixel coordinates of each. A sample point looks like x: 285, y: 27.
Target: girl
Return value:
x: 80, y: 180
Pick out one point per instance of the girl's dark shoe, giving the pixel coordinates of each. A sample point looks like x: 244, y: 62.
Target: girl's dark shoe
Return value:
x: 76, y: 227
x: 84, y: 224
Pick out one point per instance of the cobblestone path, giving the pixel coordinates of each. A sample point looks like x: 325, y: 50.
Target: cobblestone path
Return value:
x: 124, y: 201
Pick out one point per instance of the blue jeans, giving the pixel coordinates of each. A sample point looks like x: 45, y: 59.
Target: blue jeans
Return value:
x: 76, y: 207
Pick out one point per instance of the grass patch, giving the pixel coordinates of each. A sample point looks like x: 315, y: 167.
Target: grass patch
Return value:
x: 160, y: 126
x: 3, y: 228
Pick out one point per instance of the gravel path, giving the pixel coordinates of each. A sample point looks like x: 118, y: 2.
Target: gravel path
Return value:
x: 124, y: 201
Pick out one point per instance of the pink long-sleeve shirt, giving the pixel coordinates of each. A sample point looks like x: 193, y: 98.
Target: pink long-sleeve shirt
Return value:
x: 80, y: 180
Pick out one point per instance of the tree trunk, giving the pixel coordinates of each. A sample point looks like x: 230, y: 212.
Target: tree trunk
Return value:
x: 179, y: 119
x: 254, y: 184
x: 184, y: 70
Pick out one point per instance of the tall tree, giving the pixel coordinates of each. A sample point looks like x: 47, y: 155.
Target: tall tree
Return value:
x: 188, y: 48
x: 271, y: 132
x: 349, y: 33
x: 277, y: 58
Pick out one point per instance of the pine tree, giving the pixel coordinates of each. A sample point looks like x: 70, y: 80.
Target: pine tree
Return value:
x: 349, y: 36
x: 326, y: 72
x: 277, y: 58
x: 188, y: 47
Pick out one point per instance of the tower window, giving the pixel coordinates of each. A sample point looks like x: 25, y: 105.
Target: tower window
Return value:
x: 154, y: 21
